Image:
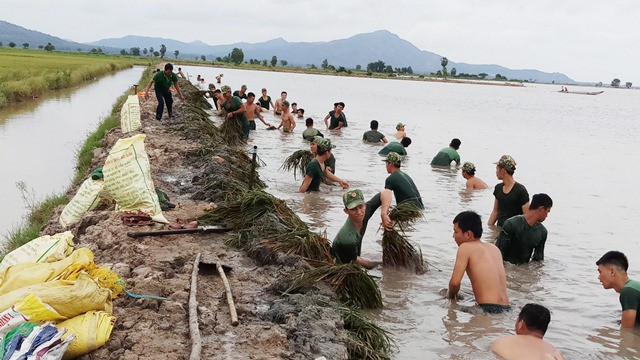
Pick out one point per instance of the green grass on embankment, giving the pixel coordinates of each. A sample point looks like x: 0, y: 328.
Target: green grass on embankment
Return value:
x: 41, y: 212
x: 27, y: 74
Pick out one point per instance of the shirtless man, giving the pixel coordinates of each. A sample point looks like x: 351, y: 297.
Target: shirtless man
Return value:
x: 483, y: 264
x: 253, y: 110
x: 181, y: 73
x: 527, y: 344
x: 277, y: 109
x: 400, y: 133
x: 288, y: 123
x: 469, y: 172
x: 294, y: 108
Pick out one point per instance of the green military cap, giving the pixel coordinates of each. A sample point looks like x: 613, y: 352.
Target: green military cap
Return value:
x: 323, y: 144
x: 507, y: 162
x: 468, y: 167
x: 243, y: 87
x: 393, y: 158
x: 225, y: 89
x: 399, y: 125
x: 353, y: 199
x: 285, y: 103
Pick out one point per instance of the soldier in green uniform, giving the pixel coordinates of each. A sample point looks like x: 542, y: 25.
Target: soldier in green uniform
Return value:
x: 612, y: 268
x: 316, y: 170
x: 235, y: 110
x: 242, y: 93
x: 400, y: 184
x: 162, y: 82
x: 373, y: 135
x: 445, y: 156
x: 310, y: 132
x: 396, y: 147
x: 512, y: 197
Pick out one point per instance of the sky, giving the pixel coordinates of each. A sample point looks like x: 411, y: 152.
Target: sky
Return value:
x: 587, y: 40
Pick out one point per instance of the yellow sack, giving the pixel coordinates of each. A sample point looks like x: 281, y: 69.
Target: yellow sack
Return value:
x: 28, y: 309
x: 92, y: 330
x: 43, y: 249
x: 130, y: 114
x: 87, y: 198
x: 25, y: 274
x: 127, y: 177
x: 105, y: 278
x: 68, y: 298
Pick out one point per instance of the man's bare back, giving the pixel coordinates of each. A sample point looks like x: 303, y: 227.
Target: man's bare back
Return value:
x: 476, y: 184
x: 525, y: 347
x: 486, y: 272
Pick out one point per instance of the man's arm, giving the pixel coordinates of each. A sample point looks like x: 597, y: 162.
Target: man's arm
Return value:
x: 257, y: 112
x: 364, y: 136
x: 241, y: 110
x: 305, y: 183
x: 385, y: 199
x: 538, y: 251
x: 340, y: 123
x: 367, y: 264
x: 384, y: 140
x: 628, y: 318
x: 332, y: 177
x: 494, y: 214
x: 293, y: 122
x: 326, y: 123
x: 462, y: 260
x: 146, y: 91
x: 179, y: 91
x: 504, y: 238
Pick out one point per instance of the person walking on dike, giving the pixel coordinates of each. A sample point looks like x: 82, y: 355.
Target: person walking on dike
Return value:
x: 400, y: 184
x: 373, y: 135
x: 469, y: 173
x: 338, y: 118
x: 316, y: 169
x: 400, y: 133
x: 288, y: 123
x: 527, y: 344
x: 265, y: 100
x: 612, y: 268
x: 512, y: 197
x: 524, y: 235
x: 310, y: 132
x: 236, y: 110
x: 162, y: 82
x: 445, y: 156
x: 242, y: 93
x: 347, y: 244
x: 330, y: 164
x: 396, y: 147
x: 277, y: 109
x: 483, y: 264
x: 253, y: 110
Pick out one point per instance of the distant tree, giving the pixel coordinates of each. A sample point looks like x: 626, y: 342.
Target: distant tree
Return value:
x: 409, y: 70
x: 93, y: 51
x: 79, y: 49
x: 25, y: 45
x: 274, y: 60
x: 145, y: 51
x: 313, y: 66
x: 388, y: 69
x: 483, y: 75
x: 377, y: 66
x: 49, y: 47
x: 163, y: 50
x: 265, y: 62
x: 628, y: 84
x: 614, y: 83
x: 325, y: 64
x: 203, y: 58
x: 156, y: 53
x: 500, y: 77
x: 439, y: 73
x: 358, y: 67
x: 135, y: 51
x: 40, y: 47
x: 99, y: 51
x: 197, y: 57
x: 12, y: 44
x: 284, y: 62
x: 176, y: 53
x: 331, y: 67
x: 341, y: 69
x: 599, y: 84
x: 123, y: 52
x: 454, y: 71
x: 0, y: 43
x: 151, y: 50
x: 236, y: 56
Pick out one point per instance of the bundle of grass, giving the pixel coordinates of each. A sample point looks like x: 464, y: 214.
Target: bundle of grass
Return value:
x: 351, y: 282
x: 396, y: 249
x: 231, y: 130
x: 310, y: 245
x: 297, y: 162
x: 366, y: 339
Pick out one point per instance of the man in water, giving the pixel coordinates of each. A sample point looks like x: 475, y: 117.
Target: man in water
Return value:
x: 400, y: 184
x: 288, y: 123
x: 181, y: 73
x: 612, y: 268
x: 310, y: 132
x: 482, y: 262
x: 396, y: 147
x: 218, y: 99
x: 294, y: 108
x: 277, y: 109
x: 469, y: 173
x: 531, y: 326
x: 265, y: 100
x: 236, y: 110
x: 219, y: 78
x: 523, y: 235
x: 316, y: 169
x: 300, y: 113
x: 373, y: 135
x: 400, y: 133
x: 512, y: 198
x: 162, y: 82
x: 445, y: 156
x: 242, y: 93
x: 331, y: 162
x: 338, y: 118
x: 253, y: 110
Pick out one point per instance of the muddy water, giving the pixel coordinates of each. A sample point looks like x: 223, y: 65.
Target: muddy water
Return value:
x: 39, y: 140
x: 578, y: 149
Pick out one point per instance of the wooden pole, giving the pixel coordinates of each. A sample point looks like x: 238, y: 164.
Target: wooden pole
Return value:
x: 227, y: 288
x: 196, y: 342
x: 253, y: 167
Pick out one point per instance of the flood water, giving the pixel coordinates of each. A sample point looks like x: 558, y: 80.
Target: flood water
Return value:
x: 578, y: 149
x: 39, y: 140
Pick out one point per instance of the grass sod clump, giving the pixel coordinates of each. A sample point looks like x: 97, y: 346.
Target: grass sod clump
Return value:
x: 297, y: 162
x: 367, y: 340
x: 396, y: 249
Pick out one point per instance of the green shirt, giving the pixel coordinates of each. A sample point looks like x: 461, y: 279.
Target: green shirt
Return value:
x: 517, y: 240
x: 395, y: 147
x: 630, y: 297
x: 237, y: 93
x: 403, y: 188
x: 235, y: 104
x: 309, y: 133
x: 373, y: 136
x: 445, y: 157
x: 331, y: 162
x: 314, y: 170
x: 335, y: 121
x: 510, y: 204
x: 162, y: 82
x: 347, y: 244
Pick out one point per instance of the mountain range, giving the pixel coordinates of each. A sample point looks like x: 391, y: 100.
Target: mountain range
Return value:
x: 360, y: 49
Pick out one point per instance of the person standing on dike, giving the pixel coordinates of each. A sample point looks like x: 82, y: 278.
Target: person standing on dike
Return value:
x: 400, y: 184
x: 316, y: 170
x: 265, y: 100
x: 338, y: 118
x: 235, y: 110
x: 162, y: 82
x: 511, y: 198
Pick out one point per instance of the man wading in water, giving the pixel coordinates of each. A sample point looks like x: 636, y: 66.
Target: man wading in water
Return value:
x: 400, y: 184
x: 469, y: 173
x: 253, y: 110
x: 338, y: 118
x: 316, y: 169
x: 162, y: 82
x: 236, y: 110
x: 612, y: 269
x: 288, y: 123
x: 277, y: 109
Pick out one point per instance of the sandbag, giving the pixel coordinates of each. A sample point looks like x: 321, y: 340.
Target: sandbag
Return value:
x: 43, y: 249
x: 130, y: 115
x: 25, y: 274
x: 127, y: 178
x: 30, y: 309
x: 86, y: 199
x: 92, y: 330
x: 68, y: 298
x: 55, y: 352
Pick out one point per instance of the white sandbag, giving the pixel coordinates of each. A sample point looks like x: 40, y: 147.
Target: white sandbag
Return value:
x: 43, y: 249
x: 130, y: 115
x: 87, y: 198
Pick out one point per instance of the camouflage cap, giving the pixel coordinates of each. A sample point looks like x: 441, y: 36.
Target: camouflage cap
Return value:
x: 243, y: 87
x: 399, y: 126
x: 507, y: 162
x: 353, y: 199
x: 468, y: 167
x: 225, y: 89
x: 393, y: 158
x: 285, y: 103
x: 323, y: 144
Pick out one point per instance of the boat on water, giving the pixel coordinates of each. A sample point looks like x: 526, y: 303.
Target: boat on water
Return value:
x: 582, y: 92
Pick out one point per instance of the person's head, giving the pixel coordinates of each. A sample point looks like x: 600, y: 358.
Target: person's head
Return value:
x: 533, y: 320
x: 374, y: 125
x: 405, y: 141
x: 250, y: 97
x: 400, y: 126
x: 212, y: 87
x: 294, y: 106
x: 264, y: 91
x: 467, y: 226
x: 505, y: 166
x: 300, y: 112
x: 217, y: 93
x: 455, y: 143
x: 468, y: 170
x: 168, y: 69
x: 243, y: 88
x: 198, y: 77
x: 309, y: 122
x: 354, y: 205
x: 285, y: 105
x: 179, y: 69
x: 393, y: 161
x: 283, y: 95
x: 541, y: 204
x: 226, y: 91
x: 323, y: 146
x: 612, y: 269
x: 340, y: 106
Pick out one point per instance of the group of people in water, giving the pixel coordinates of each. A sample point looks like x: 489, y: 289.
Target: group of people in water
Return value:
x: 521, y: 235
